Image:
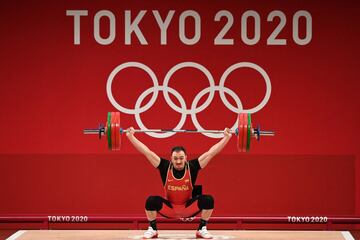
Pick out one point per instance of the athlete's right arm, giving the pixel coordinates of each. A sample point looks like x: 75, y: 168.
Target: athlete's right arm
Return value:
x: 153, y: 158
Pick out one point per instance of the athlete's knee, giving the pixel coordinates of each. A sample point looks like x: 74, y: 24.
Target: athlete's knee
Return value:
x: 206, y: 202
x: 153, y: 203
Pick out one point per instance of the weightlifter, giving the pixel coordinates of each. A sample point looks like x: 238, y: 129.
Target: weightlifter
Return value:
x: 178, y: 176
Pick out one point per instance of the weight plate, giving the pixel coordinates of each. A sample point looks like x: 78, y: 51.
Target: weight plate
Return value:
x: 245, y: 130
x: 108, y: 129
x: 113, y: 141
x: 117, y: 131
x: 240, y: 135
x: 249, y: 132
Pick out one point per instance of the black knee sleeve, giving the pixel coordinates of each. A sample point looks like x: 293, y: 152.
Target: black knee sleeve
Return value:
x: 153, y: 203
x: 205, y: 202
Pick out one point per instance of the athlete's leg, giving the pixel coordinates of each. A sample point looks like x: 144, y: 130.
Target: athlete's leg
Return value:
x: 153, y: 205
x: 151, y: 215
x: 205, y: 204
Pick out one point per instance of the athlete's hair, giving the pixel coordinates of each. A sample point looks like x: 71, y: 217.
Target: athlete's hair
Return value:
x: 178, y: 149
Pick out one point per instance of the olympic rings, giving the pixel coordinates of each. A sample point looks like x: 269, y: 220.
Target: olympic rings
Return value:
x: 183, y: 114
x: 263, y: 74
x: 111, y: 78
x: 202, y: 69
x: 198, y: 97
x: 183, y: 108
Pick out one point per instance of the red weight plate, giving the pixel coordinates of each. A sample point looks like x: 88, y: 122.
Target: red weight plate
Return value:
x: 245, y: 131
x: 120, y: 135
x: 108, y: 130
x: 113, y: 140
x: 240, y: 132
x: 114, y: 131
x: 117, y: 133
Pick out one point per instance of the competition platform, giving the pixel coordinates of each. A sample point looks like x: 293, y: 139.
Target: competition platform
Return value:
x: 237, y: 227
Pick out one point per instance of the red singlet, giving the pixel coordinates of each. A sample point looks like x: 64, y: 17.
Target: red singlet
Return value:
x: 178, y: 191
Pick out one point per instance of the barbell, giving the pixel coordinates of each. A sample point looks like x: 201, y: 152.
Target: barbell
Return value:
x: 244, y: 132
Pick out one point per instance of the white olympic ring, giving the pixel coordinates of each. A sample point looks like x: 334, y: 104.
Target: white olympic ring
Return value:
x: 183, y: 109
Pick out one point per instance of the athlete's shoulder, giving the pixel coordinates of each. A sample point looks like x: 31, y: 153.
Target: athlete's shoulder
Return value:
x: 193, y: 160
x: 164, y: 163
x: 194, y: 163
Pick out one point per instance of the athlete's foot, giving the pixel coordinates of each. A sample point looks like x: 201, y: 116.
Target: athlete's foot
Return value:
x: 150, y: 233
x: 203, y: 233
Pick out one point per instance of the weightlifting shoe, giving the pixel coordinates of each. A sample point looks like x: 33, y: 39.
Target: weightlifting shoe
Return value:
x: 150, y: 233
x: 203, y: 233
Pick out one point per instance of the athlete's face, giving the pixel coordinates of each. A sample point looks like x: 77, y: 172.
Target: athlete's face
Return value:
x: 178, y: 159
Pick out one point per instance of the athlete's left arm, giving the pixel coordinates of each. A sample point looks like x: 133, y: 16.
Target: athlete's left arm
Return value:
x: 207, y: 156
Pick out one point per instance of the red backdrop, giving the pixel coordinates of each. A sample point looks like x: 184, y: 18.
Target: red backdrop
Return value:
x: 53, y: 88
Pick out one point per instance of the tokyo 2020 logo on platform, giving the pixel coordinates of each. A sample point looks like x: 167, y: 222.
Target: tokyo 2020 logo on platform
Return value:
x: 183, y: 109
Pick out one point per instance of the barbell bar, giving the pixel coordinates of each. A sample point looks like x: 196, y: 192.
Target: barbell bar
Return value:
x: 113, y: 131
